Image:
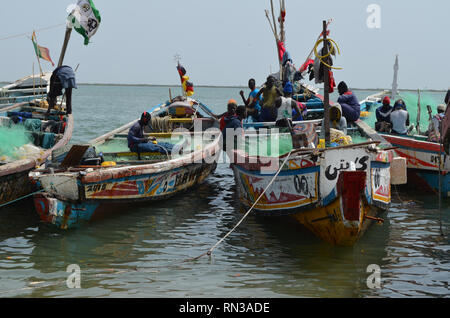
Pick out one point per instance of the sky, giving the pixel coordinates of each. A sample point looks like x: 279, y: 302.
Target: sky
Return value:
x: 224, y: 43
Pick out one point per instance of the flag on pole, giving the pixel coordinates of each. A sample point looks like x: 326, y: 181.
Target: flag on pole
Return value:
x: 41, y: 52
x: 188, y: 87
x: 85, y: 19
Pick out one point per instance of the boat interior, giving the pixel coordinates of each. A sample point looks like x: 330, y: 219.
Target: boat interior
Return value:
x: 31, y: 121
x: 180, y: 123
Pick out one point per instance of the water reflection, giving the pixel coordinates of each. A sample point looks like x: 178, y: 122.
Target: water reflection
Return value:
x: 142, y: 251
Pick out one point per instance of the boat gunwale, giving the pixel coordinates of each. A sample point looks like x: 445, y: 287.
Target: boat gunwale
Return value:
x: 31, y: 163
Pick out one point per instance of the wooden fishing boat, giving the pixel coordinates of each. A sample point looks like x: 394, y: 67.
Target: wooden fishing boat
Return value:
x: 25, y: 89
x: 336, y: 189
x: 426, y: 162
x: 34, y: 146
x: 76, y: 193
x: 334, y: 192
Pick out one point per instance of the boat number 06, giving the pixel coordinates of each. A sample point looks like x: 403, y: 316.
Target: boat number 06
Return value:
x: 301, y: 185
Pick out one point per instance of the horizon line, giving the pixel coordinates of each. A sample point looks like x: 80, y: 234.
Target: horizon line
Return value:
x: 226, y: 86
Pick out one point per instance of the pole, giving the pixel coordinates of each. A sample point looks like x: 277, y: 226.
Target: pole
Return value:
x: 64, y: 47
x: 276, y: 38
x: 37, y: 55
x: 418, y: 112
x: 326, y: 87
x: 34, y: 84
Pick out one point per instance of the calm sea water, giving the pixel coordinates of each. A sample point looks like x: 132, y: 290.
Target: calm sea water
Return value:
x: 141, y: 250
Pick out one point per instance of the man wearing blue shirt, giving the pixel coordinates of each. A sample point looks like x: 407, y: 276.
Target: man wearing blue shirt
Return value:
x: 252, y: 102
x: 138, y: 143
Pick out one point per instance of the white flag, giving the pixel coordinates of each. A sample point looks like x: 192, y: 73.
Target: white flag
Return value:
x: 85, y: 19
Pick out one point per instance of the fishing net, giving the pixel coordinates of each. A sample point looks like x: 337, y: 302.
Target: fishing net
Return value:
x: 268, y: 145
x: 12, y: 141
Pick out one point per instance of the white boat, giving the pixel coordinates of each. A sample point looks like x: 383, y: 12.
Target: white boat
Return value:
x: 25, y: 89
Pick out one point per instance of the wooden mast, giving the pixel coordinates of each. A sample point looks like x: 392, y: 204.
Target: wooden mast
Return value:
x: 326, y: 87
x: 64, y: 47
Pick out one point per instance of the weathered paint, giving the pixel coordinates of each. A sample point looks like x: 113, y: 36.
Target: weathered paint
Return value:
x: 328, y: 222
x: 422, y: 159
x: 322, y: 209
x: 90, y: 192
x: 13, y: 184
x: 291, y: 190
x: 66, y: 214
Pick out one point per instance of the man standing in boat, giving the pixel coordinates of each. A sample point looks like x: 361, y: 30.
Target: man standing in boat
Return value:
x: 285, y: 105
x: 269, y: 93
x: 138, y: 143
x: 434, y: 129
x: 252, y: 103
x: 62, y: 77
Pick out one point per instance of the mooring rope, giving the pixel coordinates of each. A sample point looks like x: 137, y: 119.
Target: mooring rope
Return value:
x: 209, y: 252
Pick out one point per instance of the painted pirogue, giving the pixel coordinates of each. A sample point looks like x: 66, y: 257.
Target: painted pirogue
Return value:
x: 76, y: 193
x: 41, y: 137
x: 335, y: 192
x: 427, y: 162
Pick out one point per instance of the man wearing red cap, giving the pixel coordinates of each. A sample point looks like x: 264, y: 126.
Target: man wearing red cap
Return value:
x: 383, y: 114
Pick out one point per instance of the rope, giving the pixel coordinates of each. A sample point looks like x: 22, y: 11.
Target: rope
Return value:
x: 26, y: 34
x: 21, y: 198
x: 31, y: 194
x: 333, y: 48
x: 209, y: 252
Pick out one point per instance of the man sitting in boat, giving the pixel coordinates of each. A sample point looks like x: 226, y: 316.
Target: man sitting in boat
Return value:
x: 62, y: 77
x: 349, y: 103
x: 337, y: 121
x: 231, y: 111
x: 138, y: 143
x: 252, y: 103
x: 434, y: 129
x: 233, y: 126
x: 383, y: 114
x: 269, y: 93
x: 399, y: 118
x: 285, y: 106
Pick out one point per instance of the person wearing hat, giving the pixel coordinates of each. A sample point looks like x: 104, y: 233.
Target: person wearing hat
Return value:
x: 231, y: 111
x: 399, y: 118
x: 337, y: 121
x: 233, y: 125
x: 434, y: 129
x: 285, y: 105
x: 383, y: 114
x: 138, y: 143
x: 269, y: 93
x: 349, y: 103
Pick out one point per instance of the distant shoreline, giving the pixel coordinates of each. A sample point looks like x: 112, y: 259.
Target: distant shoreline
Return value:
x: 235, y: 86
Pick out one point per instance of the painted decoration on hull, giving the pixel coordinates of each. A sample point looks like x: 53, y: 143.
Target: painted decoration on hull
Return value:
x: 147, y: 186
x: 381, y: 186
x: 290, y: 190
x: 337, y: 160
x: 419, y: 154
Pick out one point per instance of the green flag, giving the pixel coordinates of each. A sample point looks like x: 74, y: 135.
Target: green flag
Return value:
x: 85, y: 19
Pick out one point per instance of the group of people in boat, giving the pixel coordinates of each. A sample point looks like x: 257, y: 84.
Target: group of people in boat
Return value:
x: 275, y: 103
x: 395, y: 120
